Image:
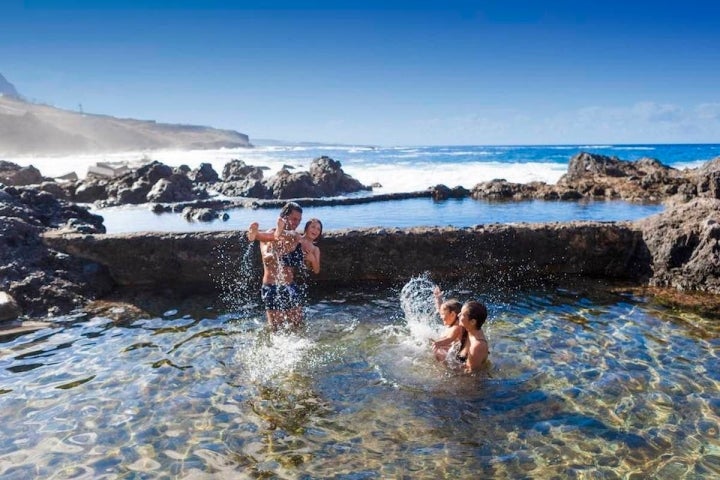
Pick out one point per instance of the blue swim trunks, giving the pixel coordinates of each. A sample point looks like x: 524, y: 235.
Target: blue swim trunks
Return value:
x: 281, y: 297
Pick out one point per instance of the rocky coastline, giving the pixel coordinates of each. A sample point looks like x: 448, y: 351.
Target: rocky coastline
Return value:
x: 56, y: 258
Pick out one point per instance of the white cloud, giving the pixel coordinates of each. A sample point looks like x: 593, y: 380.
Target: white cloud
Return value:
x: 654, y: 112
x: 708, y: 111
x: 642, y: 122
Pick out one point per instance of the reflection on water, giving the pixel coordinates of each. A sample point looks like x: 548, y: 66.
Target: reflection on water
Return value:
x: 580, y: 385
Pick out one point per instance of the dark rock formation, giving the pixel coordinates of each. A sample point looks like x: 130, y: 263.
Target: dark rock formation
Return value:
x: 324, y: 179
x: 40, y: 279
x: 237, y: 170
x: 203, y: 174
x: 685, y: 246
x: 286, y: 185
x: 250, y: 187
x: 175, y: 188
x: 442, y: 192
x: 156, y: 182
x: 13, y: 174
x: 706, y: 181
x: 608, y: 177
x: 598, y: 177
x: 330, y: 180
x: 194, y: 214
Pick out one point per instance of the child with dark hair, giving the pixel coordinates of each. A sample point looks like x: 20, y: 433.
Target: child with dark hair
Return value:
x: 306, y: 242
x: 449, y: 311
x: 475, y: 350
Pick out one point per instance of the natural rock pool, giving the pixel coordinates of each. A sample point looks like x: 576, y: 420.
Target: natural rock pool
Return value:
x: 412, y: 212
x: 582, y: 384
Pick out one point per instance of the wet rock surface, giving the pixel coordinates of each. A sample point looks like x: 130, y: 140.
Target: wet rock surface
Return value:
x: 40, y: 279
x: 685, y: 245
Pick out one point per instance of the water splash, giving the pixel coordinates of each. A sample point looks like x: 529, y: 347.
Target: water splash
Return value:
x: 237, y: 276
x: 270, y: 356
x: 418, y: 304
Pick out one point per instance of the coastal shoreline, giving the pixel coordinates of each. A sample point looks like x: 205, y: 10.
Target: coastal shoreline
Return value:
x: 66, y: 255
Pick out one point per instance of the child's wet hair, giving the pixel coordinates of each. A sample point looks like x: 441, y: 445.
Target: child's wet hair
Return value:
x: 453, y: 305
x: 476, y: 311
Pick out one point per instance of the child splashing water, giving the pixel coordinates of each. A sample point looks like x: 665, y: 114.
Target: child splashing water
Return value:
x: 449, y: 311
x: 464, y: 336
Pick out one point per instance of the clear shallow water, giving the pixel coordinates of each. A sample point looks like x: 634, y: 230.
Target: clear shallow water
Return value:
x: 396, y: 213
x: 580, y: 384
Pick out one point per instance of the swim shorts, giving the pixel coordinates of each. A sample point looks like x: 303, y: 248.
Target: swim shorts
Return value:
x: 281, y: 297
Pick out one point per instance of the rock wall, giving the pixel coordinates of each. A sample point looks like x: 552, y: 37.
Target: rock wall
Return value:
x: 685, y: 245
x: 39, y: 279
x: 516, y: 253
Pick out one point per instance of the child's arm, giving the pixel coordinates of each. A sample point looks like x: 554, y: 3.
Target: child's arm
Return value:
x: 280, y: 227
x: 312, y: 255
x: 437, y: 293
x: 450, y: 336
x: 253, y: 231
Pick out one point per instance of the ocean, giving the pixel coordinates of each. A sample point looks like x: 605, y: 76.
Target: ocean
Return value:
x: 398, y: 169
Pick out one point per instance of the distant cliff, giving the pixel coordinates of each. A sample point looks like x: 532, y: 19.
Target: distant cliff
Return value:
x: 7, y: 88
x: 28, y: 128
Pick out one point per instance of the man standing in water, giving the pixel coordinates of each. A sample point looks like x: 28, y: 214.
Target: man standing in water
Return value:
x: 280, y: 294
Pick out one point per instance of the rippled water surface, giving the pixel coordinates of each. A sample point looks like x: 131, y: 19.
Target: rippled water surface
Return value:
x: 581, y: 384
x: 398, y: 213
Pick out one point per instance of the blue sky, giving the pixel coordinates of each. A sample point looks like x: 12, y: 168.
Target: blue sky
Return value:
x: 380, y: 72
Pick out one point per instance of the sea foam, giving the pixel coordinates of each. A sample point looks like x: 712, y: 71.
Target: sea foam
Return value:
x: 391, y: 171
x: 394, y: 169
